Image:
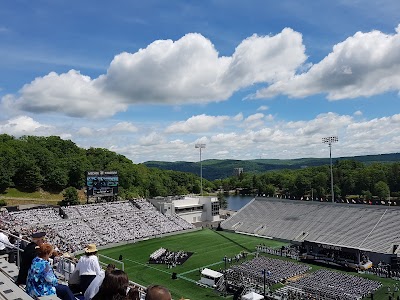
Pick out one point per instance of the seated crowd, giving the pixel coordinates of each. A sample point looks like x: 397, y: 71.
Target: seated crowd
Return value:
x: 71, y: 229
x: 43, y: 272
x: 252, y: 271
x: 102, y: 224
x: 334, y: 285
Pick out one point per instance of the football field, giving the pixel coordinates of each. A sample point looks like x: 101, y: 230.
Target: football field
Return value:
x: 208, y: 247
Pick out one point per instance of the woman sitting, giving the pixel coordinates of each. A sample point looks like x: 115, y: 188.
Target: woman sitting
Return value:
x: 41, y: 280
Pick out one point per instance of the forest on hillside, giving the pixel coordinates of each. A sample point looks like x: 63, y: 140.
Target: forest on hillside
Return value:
x: 351, y: 178
x: 223, y: 168
x: 50, y: 163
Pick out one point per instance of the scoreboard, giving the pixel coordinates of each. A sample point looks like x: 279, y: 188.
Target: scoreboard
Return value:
x: 102, y: 183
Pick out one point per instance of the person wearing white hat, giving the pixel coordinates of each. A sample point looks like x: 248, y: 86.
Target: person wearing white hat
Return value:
x: 88, y: 267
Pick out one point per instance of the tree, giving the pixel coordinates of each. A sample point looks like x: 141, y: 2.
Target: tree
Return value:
x: 56, y: 179
x: 270, y: 190
x: 381, y: 189
x: 222, y: 200
x: 6, y: 173
x: 367, y: 195
x: 70, y: 196
x: 27, y: 176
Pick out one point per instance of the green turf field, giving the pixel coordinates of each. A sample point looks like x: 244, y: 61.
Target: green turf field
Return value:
x: 209, y: 248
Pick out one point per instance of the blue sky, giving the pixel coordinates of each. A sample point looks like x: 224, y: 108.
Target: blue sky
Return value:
x: 250, y: 79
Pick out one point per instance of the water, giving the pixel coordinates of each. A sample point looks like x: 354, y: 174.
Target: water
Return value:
x: 236, y: 202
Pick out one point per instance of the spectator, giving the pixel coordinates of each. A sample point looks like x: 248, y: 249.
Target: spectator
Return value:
x: 4, y: 243
x: 94, y: 286
x: 115, y: 286
x: 41, y: 279
x: 28, y: 255
x: 88, y: 267
x: 157, y: 292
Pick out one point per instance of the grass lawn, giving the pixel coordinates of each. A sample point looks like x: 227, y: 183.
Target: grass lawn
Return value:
x: 14, y: 193
x: 209, y: 248
x: 14, y: 196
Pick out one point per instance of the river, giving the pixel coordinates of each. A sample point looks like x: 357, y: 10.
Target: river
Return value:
x: 236, y: 202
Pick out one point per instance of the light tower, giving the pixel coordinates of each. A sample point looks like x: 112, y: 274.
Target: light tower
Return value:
x: 200, y: 146
x: 329, y: 140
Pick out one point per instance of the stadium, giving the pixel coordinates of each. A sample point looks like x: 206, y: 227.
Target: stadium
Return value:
x: 283, y: 249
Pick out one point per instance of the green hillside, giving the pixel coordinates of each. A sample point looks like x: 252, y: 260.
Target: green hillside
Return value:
x: 219, y: 169
x: 31, y: 164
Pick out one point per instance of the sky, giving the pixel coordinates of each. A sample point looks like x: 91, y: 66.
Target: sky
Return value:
x: 249, y: 79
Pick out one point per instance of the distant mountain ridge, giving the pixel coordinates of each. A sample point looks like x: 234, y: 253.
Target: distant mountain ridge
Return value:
x: 219, y: 169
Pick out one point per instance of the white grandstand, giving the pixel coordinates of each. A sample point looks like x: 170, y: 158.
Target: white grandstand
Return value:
x: 355, y: 226
x: 102, y: 223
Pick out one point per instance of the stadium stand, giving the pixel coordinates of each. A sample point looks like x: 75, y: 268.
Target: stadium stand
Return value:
x: 10, y: 291
x: 101, y: 223
x: 70, y: 229
x: 355, y: 226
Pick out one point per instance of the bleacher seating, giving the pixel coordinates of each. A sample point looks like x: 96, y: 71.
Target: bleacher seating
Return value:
x: 357, y: 226
x: 101, y: 223
x: 8, y: 289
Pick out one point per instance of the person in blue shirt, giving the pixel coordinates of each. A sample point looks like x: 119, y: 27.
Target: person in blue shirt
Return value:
x: 41, y: 280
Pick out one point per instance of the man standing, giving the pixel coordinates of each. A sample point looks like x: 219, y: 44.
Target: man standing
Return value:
x: 28, y: 255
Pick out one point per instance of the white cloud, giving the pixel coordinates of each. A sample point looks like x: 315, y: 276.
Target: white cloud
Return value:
x: 65, y: 136
x: 151, y: 139
x: 222, y: 154
x: 254, y: 117
x: 358, y: 113
x: 200, y: 123
x: 85, y: 131
x: 202, y: 140
x: 124, y: 127
x: 161, y: 150
x: 119, y: 128
x: 188, y: 70
x: 277, y: 139
x: 269, y: 118
x: 224, y: 138
x: 253, y: 121
x: 327, y: 124
x: 262, y: 108
x: 24, y: 125
x: 71, y: 93
x: 238, y: 117
x: 363, y: 65
x: 282, y: 140
x: 266, y: 59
